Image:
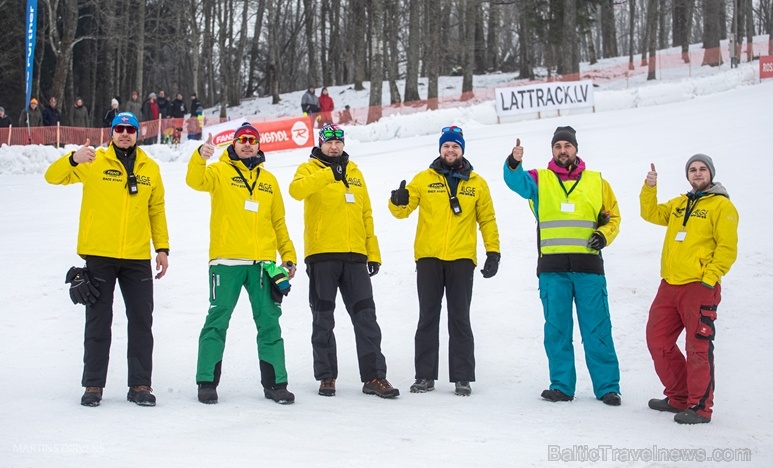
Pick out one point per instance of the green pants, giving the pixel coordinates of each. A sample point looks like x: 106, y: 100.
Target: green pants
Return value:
x: 225, y: 283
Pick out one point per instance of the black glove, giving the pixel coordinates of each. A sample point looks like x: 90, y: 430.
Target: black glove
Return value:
x: 512, y: 163
x: 603, y: 218
x: 491, y: 266
x: 373, y: 268
x: 338, y: 171
x: 597, y: 241
x: 400, y: 196
x: 82, y: 289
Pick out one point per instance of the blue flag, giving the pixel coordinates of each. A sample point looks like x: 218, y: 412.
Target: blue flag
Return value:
x: 31, y: 31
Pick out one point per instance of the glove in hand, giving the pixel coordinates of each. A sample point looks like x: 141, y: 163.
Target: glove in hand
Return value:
x: 82, y: 289
x: 491, y: 266
x: 373, y: 268
x: 597, y: 241
x: 401, y: 196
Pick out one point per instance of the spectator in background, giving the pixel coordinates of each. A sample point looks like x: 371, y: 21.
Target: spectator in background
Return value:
x: 177, y: 109
x: 5, y: 121
x: 134, y: 105
x: 51, y: 115
x: 310, y: 103
x: 80, y: 114
x: 195, y: 124
x: 326, y: 107
x: 33, y: 117
x: 345, y: 116
x: 163, y: 104
x: 150, y: 110
x: 107, y: 120
x: 195, y: 104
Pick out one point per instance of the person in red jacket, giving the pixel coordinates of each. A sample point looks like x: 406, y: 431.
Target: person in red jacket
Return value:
x: 326, y: 107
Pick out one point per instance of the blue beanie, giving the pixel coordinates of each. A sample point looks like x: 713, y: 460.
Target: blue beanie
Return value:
x: 125, y: 118
x: 456, y: 137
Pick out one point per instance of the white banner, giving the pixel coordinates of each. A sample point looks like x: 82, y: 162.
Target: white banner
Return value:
x: 544, y: 97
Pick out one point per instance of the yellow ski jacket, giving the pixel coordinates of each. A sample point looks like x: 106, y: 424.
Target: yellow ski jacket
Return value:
x: 114, y: 223
x: 247, y: 219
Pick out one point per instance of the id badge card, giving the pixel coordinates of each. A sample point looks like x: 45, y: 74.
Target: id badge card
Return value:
x: 680, y: 236
x: 251, y: 205
x: 349, y: 196
x: 567, y: 207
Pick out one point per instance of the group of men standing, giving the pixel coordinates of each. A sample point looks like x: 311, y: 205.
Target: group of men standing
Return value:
x: 577, y: 216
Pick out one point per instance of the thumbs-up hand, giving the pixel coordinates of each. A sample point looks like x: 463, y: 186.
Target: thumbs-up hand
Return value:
x: 207, y: 150
x: 401, y: 196
x: 84, y: 154
x: 652, y: 176
x: 518, y: 150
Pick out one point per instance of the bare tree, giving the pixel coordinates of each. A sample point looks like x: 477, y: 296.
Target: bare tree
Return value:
x: 412, y: 52
x: 469, y: 46
x: 608, y: 29
x: 711, y: 33
x: 652, y: 26
x: 377, y: 60
x: 433, y: 51
x: 570, y: 57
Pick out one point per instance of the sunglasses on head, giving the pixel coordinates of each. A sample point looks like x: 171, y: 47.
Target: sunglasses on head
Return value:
x: 453, y: 129
x: 331, y: 133
x: 244, y: 139
x: 123, y: 128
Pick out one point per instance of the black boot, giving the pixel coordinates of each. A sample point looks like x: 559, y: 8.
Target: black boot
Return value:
x: 92, y: 396
x: 140, y: 394
x: 556, y: 395
x: 208, y: 393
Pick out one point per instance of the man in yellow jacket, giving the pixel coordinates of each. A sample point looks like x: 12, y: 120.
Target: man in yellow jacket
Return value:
x: 341, y: 253
x: 577, y: 216
x: 700, y: 246
x: 247, y: 229
x: 453, y: 201
x: 121, y: 211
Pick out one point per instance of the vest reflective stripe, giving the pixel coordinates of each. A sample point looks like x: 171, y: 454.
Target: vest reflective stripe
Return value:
x: 562, y: 232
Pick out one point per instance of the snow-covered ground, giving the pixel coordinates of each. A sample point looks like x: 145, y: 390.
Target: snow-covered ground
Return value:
x: 723, y: 113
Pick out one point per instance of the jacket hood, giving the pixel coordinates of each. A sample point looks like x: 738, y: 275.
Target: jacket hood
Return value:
x: 461, y: 172
x: 716, y: 189
x: 250, y: 163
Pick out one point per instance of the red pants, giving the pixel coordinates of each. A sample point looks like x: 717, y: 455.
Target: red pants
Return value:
x: 689, y: 383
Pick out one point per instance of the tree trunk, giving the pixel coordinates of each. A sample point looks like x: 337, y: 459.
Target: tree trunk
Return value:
x: 139, y: 44
x: 469, y: 21
x: 652, y: 26
x: 433, y: 52
x: 309, y: 15
x: 711, y: 33
x: 492, y: 41
x: 252, y: 78
x: 631, y: 23
x: 392, y: 55
x: 688, y: 16
x: 749, y: 30
x: 412, y: 53
x: 608, y: 29
x: 570, y: 56
x: 377, y: 61
x: 357, y: 35
x: 525, y: 36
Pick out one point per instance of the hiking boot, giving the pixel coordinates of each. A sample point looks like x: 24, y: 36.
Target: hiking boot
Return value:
x: 556, y: 395
x: 140, y: 394
x: 92, y: 396
x: 280, y: 395
x: 327, y: 387
x: 690, y: 416
x: 463, y: 388
x: 663, y: 405
x: 611, y: 399
x: 423, y: 386
x: 380, y: 387
x: 208, y: 393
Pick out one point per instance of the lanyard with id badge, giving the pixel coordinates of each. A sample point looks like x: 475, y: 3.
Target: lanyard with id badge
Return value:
x: 682, y: 235
x: 567, y: 206
x: 249, y: 204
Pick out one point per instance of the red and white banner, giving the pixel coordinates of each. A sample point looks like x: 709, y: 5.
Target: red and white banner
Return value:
x: 274, y: 136
x: 766, y: 66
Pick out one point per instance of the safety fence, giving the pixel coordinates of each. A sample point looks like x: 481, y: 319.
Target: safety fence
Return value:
x: 671, y: 61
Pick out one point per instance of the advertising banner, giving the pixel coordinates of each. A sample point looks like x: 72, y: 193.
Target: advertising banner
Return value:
x: 274, y: 136
x: 541, y: 97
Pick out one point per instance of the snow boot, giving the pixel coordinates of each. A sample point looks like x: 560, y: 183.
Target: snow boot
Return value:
x: 208, y: 393
x: 280, y: 395
x: 327, y: 387
x: 423, y: 386
x: 662, y: 405
x: 381, y: 388
x: 92, y: 396
x: 140, y: 394
x: 689, y: 416
x: 611, y: 399
x: 463, y: 388
x: 556, y: 395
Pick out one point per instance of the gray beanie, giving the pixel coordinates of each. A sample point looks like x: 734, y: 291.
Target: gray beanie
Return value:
x: 705, y: 160
x: 564, y: 134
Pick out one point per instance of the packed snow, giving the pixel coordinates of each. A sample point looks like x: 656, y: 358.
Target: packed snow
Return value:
x: 724, y: 113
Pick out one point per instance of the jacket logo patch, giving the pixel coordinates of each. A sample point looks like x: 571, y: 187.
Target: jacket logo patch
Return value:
x: 436, y: 185
x: 143, y: 180
x: 237, y: 181
x: 263, y: 187
x: 679, y: 212
x: 699, y: 214
x: 467, y: 191
x: 354, y: 181
x: 113, y: 173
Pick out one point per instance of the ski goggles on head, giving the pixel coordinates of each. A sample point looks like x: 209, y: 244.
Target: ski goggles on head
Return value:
x: 453, y: 129
x: 124, y: 128
x: 246, y: 139
x: 328, y: 133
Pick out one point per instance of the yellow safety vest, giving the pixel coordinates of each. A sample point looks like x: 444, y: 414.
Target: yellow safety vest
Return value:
x: 568, y: 212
